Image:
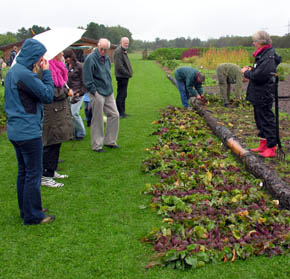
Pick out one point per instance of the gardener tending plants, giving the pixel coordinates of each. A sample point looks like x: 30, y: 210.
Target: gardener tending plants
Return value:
x: 261, y: 90
x: 189, y: 82
x: 227, y: 74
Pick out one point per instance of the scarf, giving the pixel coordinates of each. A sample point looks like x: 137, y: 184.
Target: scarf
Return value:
x: 256, y: 52
x: 58, y: 72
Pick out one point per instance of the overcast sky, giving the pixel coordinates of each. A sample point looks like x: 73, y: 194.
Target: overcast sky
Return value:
x: 149, y: 19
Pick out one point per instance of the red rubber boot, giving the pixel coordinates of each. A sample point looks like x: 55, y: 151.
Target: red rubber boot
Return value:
x: 269, y: 152
x: 262, y: 147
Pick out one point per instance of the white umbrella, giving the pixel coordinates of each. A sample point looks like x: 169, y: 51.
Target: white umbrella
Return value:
x: 57, y: 40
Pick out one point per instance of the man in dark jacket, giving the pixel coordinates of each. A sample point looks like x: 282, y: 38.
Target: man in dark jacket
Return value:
x: 123, y: 71
x: 189, y: 83
x: 24, y: 95
x: 98, y: 82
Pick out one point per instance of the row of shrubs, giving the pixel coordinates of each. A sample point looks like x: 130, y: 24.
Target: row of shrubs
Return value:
x: 181, y: 53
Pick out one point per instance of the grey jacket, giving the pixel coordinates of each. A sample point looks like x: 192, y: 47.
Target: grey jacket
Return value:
x: 123, y: 66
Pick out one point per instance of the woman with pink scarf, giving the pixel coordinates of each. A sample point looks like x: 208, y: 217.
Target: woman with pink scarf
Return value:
x: 57, y: 124
x: 261, y: 90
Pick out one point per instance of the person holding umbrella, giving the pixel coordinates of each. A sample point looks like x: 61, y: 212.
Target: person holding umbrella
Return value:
x: 25, y: 93
x: 58, y: 124
x: 261, y: 90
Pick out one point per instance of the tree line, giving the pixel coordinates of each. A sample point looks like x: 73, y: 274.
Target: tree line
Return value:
x: 115, y: 33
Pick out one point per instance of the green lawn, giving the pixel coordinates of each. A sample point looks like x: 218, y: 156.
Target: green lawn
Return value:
x: 100, y: 215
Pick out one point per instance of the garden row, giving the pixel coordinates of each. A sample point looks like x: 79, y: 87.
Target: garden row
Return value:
x: 181, y: 53
x: 212, y: 209
x: 210, y: 58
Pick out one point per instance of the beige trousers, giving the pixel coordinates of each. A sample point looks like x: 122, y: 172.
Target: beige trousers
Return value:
x: 103, y: 104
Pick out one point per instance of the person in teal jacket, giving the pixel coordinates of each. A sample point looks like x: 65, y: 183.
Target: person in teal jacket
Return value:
x: 98, y: 82
x: 189, y: 82
x: 25, y: 93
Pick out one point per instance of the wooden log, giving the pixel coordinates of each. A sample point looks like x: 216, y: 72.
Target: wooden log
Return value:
x: 273, y: 183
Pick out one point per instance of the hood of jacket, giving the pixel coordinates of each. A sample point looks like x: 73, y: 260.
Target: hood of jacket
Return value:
x: 30, y: 53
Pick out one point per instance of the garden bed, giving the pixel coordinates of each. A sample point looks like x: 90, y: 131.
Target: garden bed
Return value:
x: 212, y: 209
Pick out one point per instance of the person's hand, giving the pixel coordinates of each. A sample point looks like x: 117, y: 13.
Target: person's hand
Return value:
x: 44, y: 64
x: 246, y: 68
x: 70, y: 92
x: 198, y: 97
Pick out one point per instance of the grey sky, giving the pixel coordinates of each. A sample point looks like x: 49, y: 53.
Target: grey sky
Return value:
x: 150, y: 19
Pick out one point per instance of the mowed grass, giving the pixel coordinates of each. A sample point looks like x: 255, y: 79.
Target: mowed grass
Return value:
x: 100, y: 214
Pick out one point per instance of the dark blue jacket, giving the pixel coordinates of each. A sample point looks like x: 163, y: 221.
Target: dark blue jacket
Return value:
x: 25, y: 93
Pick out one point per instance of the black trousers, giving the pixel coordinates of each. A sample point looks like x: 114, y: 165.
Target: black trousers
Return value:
x: 50, y: 159
x: 121, y: 94
x: 265, y: 122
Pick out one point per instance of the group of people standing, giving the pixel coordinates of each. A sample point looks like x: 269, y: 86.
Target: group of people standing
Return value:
x: 260, y: 91
x: 41, y: 98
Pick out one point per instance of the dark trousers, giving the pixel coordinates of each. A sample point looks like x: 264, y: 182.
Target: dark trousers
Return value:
x: 29, y: 157
x: 50, y: 159
x: 88, y: 113
x: 265, y: 121
x: 121, y: 94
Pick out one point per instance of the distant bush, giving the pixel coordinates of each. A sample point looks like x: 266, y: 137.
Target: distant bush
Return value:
x: 284, y: 53
x: 167, y: 53
x: 283, y: 71
x: 190, y: 53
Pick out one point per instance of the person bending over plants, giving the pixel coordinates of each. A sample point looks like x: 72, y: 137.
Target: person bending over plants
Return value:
x: 189, y: 82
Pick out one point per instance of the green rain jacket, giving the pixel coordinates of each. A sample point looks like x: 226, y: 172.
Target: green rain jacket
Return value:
x: 186, y: 75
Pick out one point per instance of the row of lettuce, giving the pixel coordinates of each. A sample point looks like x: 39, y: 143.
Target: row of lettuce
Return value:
x: 212, y: 210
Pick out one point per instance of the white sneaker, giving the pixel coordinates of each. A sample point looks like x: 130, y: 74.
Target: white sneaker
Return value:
x: 49, y: 182
x: 58, y: 175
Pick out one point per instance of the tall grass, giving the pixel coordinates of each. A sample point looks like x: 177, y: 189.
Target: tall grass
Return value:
x: 213, y: 57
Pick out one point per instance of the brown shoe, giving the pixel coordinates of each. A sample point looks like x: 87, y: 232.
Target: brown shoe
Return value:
x: 47, y: 219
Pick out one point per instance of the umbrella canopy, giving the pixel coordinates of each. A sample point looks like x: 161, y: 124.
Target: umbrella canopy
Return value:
x: 58, y: 39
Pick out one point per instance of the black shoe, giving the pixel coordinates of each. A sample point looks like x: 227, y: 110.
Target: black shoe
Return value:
x: 79, y: 138
x: 126, y: 115
x: 100, y: 150
x: 226, y: 105
x: 114, y: 146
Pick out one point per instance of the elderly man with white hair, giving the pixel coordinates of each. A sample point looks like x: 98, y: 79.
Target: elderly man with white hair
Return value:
x: 123, y: 71
x: 98, y: 82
